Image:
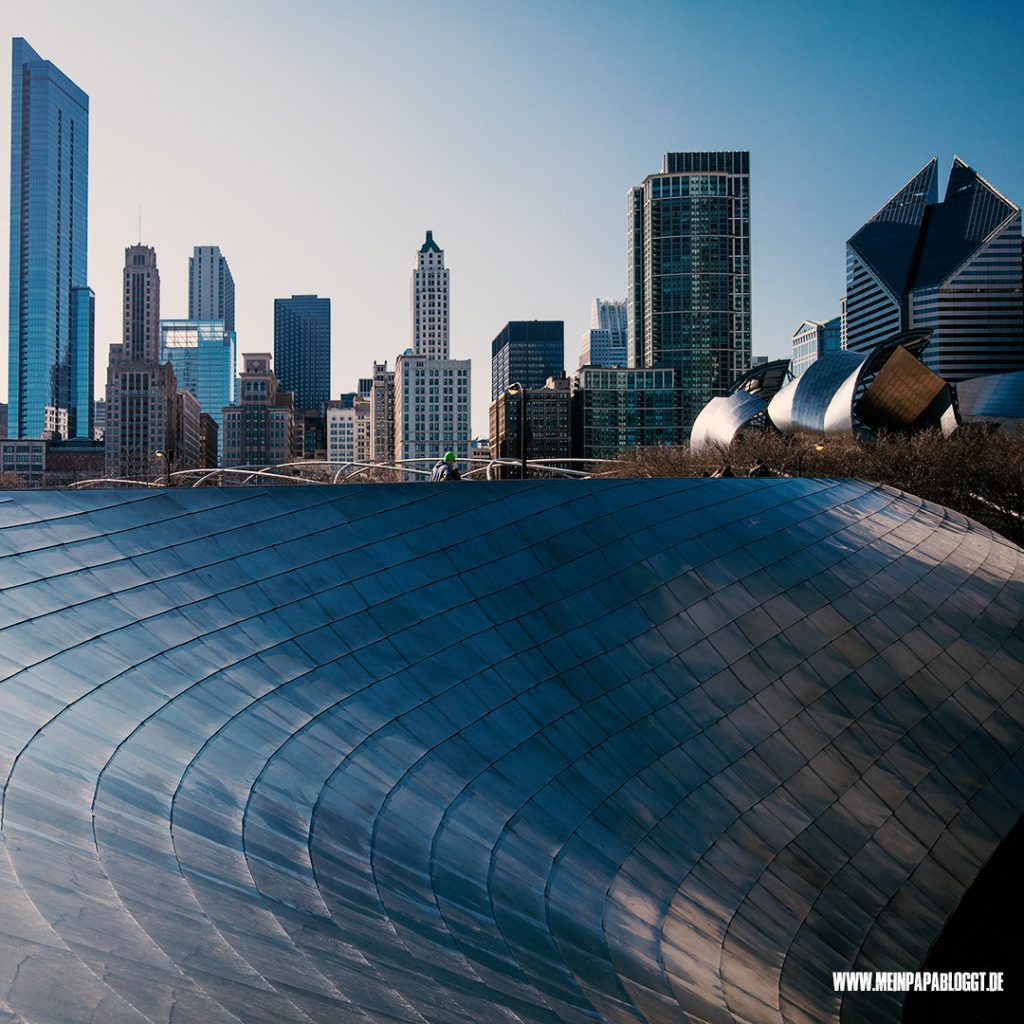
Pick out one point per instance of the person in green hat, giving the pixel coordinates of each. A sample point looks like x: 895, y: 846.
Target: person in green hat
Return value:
x: 446, y: 469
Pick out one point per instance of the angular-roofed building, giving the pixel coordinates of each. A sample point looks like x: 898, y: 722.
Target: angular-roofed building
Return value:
x: 952, y: 267
x: 580, y: 752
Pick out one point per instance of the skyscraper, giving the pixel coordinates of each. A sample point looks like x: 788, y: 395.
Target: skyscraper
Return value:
x: 302, y: 350
x: 605, y: 343
x: 211, y: 288
x: 689, y: 273
x: 143, y: 412
x: 527, y: 352
x: 141, y: 334
x: 811, y: 340
x: 429, y: 302
x: 953, y: 267
x: 203, y: 355
x: 50, y: 355
x: 432, y: 391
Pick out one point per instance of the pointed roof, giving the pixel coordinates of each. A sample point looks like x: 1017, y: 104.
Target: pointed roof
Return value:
x: 957, y: 227
x: 430, y: 245
x: 888, y: 241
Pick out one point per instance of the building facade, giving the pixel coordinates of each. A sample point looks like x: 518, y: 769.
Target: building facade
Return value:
x: 382, y: 413
x: 142, y: 411
x: 952, y: 267
x: 543, y: 415
x: 260, y: 429
x: 527, y: 352
x: 616, y: 410
x: 428, y: 302
x: 432, y: 407
x: 211, y: 288
x: 688, y: 301
x: 142, y: 418
x: 202, y: 354
x: 812, y: 339
x: 141, y: 331
x: 302, y: 349
x: 604, y: 344
x: 51, y: 325
x: 348, y: 429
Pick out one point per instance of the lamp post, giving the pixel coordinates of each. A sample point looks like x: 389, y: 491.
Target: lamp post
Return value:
x: 818, y: 447
x: 522, y: 425
x: 167, y: 467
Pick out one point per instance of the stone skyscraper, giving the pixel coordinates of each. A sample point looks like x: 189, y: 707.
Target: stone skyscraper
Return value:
x: 211, y: 288
x: 689, y: 274
x: 142, y: 406
x: 953, y: 267
x: 432, y: 391
x: 141, y: 338
x: 50, y: 337
x: 429, y: 302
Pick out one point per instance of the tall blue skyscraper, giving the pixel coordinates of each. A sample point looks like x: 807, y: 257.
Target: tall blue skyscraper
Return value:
x: 50, y: 340
x: 302, y: 350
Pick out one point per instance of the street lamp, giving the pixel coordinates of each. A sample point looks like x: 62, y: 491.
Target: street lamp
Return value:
x: 512, y: 388
x: 818, y: 447
x: 167, y: 467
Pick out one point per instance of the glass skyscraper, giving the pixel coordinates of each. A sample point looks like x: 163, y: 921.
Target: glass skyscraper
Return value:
x: 204, y: 358
x: 527, y: 352
x: 50, y: 356
x: 953, y: 267
x: 302, y: 350
x: 688, y: 302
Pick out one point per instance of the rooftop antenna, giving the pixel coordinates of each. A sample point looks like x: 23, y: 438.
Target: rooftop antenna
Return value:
x: 140, y: 223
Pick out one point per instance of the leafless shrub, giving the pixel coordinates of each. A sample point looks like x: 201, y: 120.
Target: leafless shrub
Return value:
x: 974, y: 471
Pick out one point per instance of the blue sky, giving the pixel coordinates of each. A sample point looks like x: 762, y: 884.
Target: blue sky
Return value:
x: 315, y: 142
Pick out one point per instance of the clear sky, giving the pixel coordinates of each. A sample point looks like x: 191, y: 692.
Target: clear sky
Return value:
x: 316, y: 140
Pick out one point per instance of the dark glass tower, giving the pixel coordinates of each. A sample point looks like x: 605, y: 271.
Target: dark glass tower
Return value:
x: 953, y: 267
x: 50, y: 355
x: 302, y: 350
x: 527, y: 352
x: 688, y: 303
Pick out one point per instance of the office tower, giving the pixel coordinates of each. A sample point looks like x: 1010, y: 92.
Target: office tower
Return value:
x: 952, y: 267
x: 605, y: 343
x: 842, y: 323
x: 429, y: 302
x: 202, y: 354
x: 142, y: 418
x: 260, y: 429
x: 141, y: 334
x: 542, y: 415
x: 382, y: 413
x: 208, y: 432
x: 527, y: 352
x: 302, y: 349
x: 689, y: 274
x: 364, y: 387
x: 142, y: 412
x: 3, y: 420
x: 431, y: 407
x: 211, y: 288
x: 812, y: 339
x: 50, y: 357
x: 615, y: 410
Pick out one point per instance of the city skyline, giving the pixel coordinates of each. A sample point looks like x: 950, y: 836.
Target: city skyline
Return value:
x: 540, y: 231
